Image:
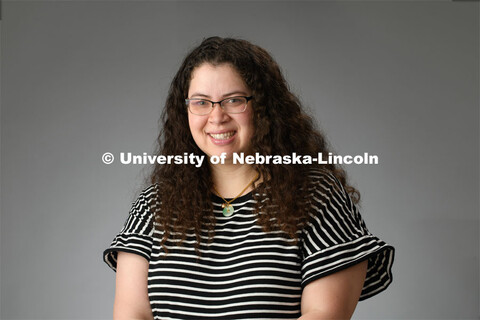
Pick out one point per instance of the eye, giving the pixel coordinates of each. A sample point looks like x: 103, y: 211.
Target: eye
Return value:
x: 198, y: 103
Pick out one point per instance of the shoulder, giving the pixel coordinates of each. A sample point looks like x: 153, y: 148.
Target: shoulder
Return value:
x: 322, y: 179
x: 147, y: 201
x: 150, y: 192
x: 327, y: 195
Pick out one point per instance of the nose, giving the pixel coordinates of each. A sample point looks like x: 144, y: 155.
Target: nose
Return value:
x: 218, y: 115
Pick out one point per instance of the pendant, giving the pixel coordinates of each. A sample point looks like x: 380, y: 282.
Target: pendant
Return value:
x: 228, y: 210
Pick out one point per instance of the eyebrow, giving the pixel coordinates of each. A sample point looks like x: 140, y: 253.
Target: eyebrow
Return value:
x: 197, y: 94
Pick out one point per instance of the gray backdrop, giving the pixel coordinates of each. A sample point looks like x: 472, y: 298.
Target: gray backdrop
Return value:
x: 80, y: 78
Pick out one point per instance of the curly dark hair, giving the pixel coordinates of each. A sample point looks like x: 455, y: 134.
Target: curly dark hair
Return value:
x: 281, y: 128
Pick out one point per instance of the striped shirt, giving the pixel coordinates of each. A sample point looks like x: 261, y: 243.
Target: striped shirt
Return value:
x: 244, y: 272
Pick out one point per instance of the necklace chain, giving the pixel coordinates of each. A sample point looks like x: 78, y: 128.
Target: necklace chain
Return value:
x: 227, y: 207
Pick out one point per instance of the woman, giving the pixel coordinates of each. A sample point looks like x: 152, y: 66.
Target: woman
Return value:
x: 243, y: 241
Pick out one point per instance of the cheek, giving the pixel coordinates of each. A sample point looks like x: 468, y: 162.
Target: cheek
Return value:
x: 196, y: 125
x: 247, y: 123
x: 192, y: 123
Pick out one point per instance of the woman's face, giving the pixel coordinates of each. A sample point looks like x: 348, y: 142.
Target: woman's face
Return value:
x: 219, y: 132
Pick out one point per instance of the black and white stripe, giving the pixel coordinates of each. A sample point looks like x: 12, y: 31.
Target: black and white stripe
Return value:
x: 244, y: 272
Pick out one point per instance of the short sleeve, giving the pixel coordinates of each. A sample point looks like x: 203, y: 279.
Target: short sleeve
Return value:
x: 136, y: 236
x: 336, y: 238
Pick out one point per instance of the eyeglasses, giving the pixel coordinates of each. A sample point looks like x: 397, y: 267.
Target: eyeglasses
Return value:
x: 202, y: 107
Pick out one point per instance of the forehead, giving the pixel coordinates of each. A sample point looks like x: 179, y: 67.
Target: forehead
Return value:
x: 213, y: 80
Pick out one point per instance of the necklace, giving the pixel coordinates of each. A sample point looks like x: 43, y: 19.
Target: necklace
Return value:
x: 227, y: 207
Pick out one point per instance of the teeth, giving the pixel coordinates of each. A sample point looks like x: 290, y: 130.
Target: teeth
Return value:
x: 222, y: 136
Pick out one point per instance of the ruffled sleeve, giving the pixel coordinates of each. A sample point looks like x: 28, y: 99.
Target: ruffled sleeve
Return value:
x: 336, y: 237
x: 136, y: 236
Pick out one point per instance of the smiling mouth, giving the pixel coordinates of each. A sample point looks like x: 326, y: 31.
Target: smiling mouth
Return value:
x: 223, y: 135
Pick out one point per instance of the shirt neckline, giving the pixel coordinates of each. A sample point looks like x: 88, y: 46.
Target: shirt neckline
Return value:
x: 243, y: 198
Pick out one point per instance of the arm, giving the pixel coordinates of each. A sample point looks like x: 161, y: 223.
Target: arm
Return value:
x: 334, y: 296
x: 131, y: 294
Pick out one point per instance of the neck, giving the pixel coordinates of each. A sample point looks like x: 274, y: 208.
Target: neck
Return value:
x: 230, y: 179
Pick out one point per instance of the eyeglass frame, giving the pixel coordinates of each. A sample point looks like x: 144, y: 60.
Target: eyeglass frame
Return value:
x: 187, y: 102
